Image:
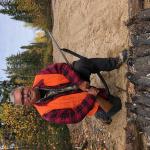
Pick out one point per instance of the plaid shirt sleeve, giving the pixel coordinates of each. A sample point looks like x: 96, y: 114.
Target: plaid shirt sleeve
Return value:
x: 69, y: 116
x: 65, y: 69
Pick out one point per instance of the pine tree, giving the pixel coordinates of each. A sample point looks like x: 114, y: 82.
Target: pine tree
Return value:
x: 24, y: 66
x: 11, y: 8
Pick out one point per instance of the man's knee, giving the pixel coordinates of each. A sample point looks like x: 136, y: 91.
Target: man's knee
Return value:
x: 77, y: 65
x: 81, y: 69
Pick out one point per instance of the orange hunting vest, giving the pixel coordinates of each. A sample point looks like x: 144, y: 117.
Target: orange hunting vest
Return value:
x: 62, y: 102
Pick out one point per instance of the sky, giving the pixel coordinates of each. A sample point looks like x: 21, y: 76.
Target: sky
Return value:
x: 13, y: 35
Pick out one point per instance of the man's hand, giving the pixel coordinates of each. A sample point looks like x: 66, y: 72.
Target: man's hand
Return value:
x: 93, y: 91
x: 84, y: 86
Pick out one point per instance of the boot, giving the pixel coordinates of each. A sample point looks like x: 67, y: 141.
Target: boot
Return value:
x: 122, y: 57
x: 102, y: 115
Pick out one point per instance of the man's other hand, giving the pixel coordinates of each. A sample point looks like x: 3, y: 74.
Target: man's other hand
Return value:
x: 93, y: 91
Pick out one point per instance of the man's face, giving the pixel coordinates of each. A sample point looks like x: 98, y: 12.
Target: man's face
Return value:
x: 26, y: 96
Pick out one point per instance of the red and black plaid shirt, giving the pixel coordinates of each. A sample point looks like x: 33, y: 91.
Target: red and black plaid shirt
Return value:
x: 68, y: 116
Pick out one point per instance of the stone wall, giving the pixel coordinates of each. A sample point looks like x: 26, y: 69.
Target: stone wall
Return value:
x: 138, y: 126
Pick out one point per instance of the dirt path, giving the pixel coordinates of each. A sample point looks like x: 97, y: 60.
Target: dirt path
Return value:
x: 95, y: 29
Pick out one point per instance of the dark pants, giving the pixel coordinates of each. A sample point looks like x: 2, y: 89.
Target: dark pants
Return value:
x: 84, y: 67
x: 93, y: 65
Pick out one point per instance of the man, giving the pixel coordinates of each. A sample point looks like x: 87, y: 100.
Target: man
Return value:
x: 62, y: 93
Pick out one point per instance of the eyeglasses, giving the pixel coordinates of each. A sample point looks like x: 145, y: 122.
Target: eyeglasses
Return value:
x: 24, y: 95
